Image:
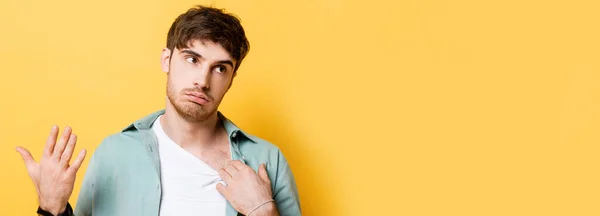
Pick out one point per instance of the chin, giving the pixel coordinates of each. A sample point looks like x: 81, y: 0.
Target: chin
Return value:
x: 193, y: 112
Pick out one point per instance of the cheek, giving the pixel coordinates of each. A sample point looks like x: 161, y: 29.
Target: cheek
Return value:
x: 174, y: 83
x: 177, y: 69
x: 179, y: 75
x: 180, y: 66
x: 221, y: 84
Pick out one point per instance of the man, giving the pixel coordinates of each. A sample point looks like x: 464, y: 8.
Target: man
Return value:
x: 187, y: 159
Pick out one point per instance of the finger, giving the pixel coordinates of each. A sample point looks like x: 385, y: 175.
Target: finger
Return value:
x: 62, y: 142
x: 231, y: 170
x: 262, y: 172
x: 51, y: 141
x: 223, y: 190
x: 27, y: 158
x: 66, y: 156
x: 239, y: 165
x: 225, y: 175
x: 78, y: 161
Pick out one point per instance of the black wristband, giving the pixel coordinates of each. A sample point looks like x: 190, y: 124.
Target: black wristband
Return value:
x: 68, y: 211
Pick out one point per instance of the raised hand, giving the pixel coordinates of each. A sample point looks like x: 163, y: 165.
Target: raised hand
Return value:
x: 53, y: 177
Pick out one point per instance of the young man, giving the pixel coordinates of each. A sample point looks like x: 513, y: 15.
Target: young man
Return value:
x: 187, y: 159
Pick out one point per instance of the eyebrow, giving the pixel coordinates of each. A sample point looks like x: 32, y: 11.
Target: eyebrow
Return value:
x: 229, y: 62
x: 195, y: 54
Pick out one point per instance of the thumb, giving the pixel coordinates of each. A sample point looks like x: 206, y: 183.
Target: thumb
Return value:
x: 27, y: 158
x: 262, y: 172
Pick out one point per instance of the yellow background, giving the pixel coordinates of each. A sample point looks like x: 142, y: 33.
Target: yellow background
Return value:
x: 411, y: 107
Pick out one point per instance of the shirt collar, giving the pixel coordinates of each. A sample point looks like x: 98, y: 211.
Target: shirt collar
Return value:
x: 146, y: 122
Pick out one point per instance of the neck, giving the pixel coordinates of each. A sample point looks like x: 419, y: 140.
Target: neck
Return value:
x: 200, y: 134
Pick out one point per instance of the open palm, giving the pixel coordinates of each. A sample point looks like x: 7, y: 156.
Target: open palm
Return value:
x: 53, y: 176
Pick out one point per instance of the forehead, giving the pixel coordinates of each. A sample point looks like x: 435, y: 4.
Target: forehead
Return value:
x: 209, y: 50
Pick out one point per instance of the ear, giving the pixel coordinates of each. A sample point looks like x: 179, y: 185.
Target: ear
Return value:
x: 165, y: 59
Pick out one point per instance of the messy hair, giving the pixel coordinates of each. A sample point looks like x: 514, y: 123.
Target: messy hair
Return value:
x: 212, y: 24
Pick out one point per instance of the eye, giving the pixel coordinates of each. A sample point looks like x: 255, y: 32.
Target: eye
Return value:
x: 192, y: 60
x: 221, y: 69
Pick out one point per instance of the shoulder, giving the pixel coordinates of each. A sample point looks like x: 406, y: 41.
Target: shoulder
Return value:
x: 120, y: 147
x: 262, y: 143
x: 260, y: 147
x: 120, y: 140
x: 130, y: 137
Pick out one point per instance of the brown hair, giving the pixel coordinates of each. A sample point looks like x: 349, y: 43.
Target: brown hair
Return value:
x: 209, y: 23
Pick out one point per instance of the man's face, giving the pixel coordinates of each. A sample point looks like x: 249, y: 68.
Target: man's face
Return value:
x: 198, y: 78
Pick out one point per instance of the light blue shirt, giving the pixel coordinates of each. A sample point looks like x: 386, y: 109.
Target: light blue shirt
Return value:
x: 123, y: 176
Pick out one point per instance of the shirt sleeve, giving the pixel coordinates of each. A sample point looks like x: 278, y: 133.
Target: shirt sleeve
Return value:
x: 285, y: 191
x: 86, y: 193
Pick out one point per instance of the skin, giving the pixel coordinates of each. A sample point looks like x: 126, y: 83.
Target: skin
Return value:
x: 207, y: 70
x: 198, y: 77
x: 53, y: 177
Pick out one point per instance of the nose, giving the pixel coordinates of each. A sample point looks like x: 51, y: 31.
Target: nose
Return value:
x: 201, y: 77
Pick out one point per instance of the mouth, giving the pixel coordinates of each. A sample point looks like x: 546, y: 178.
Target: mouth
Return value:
x: 196, y: 97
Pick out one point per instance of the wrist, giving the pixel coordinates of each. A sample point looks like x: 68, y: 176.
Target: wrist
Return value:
x: 269, y: 209
x: 53, y: 208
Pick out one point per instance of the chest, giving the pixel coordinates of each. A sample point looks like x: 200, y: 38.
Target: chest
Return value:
x: 216, y: 157
x: 189, y: 180
x: 197, y: 159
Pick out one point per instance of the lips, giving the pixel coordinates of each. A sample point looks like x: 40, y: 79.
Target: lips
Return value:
x: 198, y: 98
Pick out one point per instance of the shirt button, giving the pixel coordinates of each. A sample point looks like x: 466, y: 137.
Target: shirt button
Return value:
x: 234, y: 134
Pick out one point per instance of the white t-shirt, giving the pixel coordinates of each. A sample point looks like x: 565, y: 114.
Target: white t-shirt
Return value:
x: 188, y: 184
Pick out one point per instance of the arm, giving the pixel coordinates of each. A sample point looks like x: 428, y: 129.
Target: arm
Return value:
x: 285, y: 192
x: 86, y: 194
